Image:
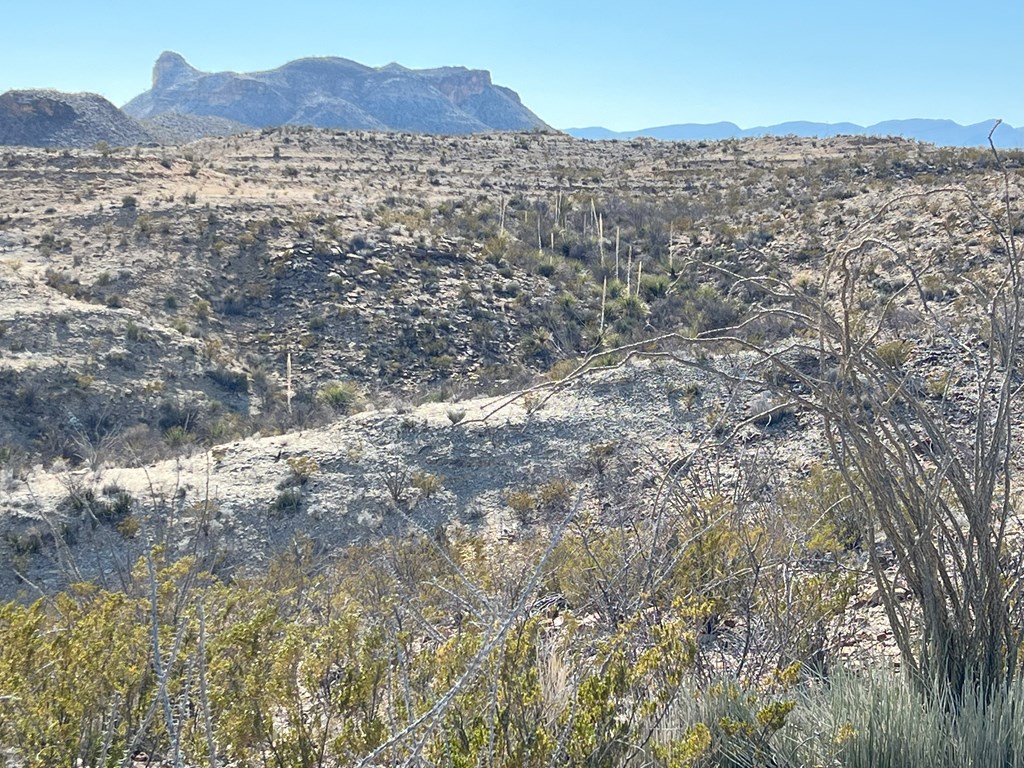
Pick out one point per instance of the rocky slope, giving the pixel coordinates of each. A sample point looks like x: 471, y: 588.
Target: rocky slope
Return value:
x: 192, y: 318
x: 486, y: 463
x: 42, y: 118
x: 337, y: 93
x: 176, y: 128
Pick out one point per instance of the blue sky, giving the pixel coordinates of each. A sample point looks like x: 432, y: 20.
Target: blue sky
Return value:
x: 621, y: 65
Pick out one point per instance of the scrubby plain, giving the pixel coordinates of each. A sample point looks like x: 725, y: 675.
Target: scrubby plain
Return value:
x: 326, y: 448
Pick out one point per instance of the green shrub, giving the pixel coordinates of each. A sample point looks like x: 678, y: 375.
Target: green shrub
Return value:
x: 523, y: 505
x: 341, y: 397
x: 880, y: 719
x: 894, y: 354
x: 288, y: 502
x: 177, y: 436
x: 653, y: 287
x: 301, y: 469
x: 110, y: 507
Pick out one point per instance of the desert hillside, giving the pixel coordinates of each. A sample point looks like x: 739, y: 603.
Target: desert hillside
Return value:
x: 44, y: 118
x: 416, y: 426
x: 166, y: 301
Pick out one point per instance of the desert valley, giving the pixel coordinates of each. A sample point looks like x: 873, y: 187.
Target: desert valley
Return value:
x: 474, y: 443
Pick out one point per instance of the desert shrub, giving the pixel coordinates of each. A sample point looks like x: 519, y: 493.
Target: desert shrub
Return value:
x: 549, y: 500
x: 287, y: 502
x: 232, y: 381
x: 653, y: 287
x: 523, y: 505
x: 28, y: 541
x: 725, y: 724
x: 929, y: 485
x: 894, y: 354
x: 110, y: 507
x: 881, y: 719
x: 221, y: 427
x: 136, y: 333
x: 202, y: 309
x: 820, y: 503
x: 177, y: 436
x: 426, y: 483
x: 938, y: 386
x: 554, y: 497
x: 121, y: 359
x: 563, y: 368
x: 627, y: 312
x: 234, y: 304
x: 301, y: 469
x: 341, y: 397
x: 69, y: 286
x: 73, y: 677
x: 286, y: 656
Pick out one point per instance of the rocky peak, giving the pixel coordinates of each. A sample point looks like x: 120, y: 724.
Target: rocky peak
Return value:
x: 459, y: 84
x: 333, y: 92
x: 170, y: 69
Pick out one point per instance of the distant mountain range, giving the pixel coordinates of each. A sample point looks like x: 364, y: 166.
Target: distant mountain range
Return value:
x: 337, y: 93
x: 940, y: 132
x: 184, y: 104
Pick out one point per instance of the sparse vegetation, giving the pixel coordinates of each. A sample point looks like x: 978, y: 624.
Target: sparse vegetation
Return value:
x: 829, y: 485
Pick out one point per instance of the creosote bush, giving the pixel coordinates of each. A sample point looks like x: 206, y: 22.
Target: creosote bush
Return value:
x: 557, y: 654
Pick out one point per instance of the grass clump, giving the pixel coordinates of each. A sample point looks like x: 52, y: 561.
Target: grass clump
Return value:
x: 895, y: 354
x: 342, y: 397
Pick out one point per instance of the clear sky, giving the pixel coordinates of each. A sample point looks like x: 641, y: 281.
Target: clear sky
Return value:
x: 621, y: 65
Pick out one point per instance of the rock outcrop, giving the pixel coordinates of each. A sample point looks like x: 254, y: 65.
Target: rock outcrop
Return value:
x: 337, y: 93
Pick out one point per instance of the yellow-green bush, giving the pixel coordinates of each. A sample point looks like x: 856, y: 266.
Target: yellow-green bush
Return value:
x: 437, y: 642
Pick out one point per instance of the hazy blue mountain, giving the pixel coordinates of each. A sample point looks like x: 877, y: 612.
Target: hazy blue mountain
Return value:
x: 688, y: 132
x: 948, y: 133
x: 805, y: 128
x: 337, y: 93
x: 940, y: 132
